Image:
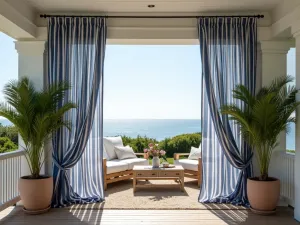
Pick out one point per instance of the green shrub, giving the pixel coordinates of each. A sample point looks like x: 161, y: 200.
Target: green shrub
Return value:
x: 164, y: 144
x: 291, y: 151
x: 6, y: 145
x: 139, y: 143
x: 9, y: 131
x: 178, y: 144
x: 181, y: 143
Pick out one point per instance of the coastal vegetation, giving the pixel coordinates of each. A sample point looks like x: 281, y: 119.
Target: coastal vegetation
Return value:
x: 291, y: 151
x: 6, y: 145
x: 10, y: 132
x: 8, y: 138
x: 180, y: 143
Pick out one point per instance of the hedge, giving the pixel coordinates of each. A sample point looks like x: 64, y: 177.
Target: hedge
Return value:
x: 6, y: 145
x: 181, y: 143
x: 9, y: 131
x: 178, y: 144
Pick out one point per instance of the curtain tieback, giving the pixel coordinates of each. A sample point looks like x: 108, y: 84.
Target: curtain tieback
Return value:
x: 59, y: 166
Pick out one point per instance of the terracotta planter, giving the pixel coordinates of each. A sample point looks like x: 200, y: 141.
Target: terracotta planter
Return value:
x: 36, y: 194
x: 263, y: 195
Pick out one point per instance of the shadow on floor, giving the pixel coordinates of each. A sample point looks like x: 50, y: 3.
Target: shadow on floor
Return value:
x: 127, y: 185
x: 78, y: 214
x: 283, y: 216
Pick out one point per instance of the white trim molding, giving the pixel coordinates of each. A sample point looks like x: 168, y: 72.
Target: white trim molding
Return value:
x: 30, y: 47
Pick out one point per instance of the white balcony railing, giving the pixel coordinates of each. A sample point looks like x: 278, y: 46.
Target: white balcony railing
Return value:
x: 287, y: 180
x: 10, y: 172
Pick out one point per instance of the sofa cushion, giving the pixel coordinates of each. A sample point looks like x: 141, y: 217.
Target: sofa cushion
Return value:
x: 187, y: 164
x: 105, y: 156
x: 195, y: 153
x: 109, y: 144
x: 116, y: 165
x: 135, y: 161
x: 124, y: 152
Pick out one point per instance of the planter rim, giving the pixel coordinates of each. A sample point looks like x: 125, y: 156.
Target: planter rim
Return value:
x: 42, y: 177
x: 255, y: 180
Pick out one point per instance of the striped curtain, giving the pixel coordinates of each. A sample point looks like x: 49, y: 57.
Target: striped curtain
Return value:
x: 228, y: 54
x: 76, y: 49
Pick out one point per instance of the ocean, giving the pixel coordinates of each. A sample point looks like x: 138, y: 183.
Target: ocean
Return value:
x: 160, y: 128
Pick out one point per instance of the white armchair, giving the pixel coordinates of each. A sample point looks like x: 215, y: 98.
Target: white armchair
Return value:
x: 192, y: 168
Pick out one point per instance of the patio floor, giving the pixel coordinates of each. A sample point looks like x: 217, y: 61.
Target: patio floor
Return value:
x: 120, y: 195
x: 82, y: 214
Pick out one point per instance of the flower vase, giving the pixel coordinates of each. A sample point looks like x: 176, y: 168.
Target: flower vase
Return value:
x: 155, y: 162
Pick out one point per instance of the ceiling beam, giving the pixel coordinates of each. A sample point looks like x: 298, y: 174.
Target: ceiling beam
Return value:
x: 14, y: 23
x: 284, y: 18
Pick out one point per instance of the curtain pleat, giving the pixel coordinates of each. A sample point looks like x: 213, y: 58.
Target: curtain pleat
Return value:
x: 228, y: 54
x: 76, y: 50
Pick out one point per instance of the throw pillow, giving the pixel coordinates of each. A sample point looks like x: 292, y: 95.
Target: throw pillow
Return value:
x: 195, y: 153
x: 105, y: 156
x: 109, y: 145
x: 124, y: 152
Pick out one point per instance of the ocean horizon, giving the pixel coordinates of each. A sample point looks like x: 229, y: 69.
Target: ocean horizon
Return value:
x: 154, y: 128
x: 160, y: 128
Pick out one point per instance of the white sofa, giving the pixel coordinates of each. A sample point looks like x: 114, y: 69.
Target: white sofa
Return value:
x: 192, y: 168
x: 119, y: 165
x: 118, y: 169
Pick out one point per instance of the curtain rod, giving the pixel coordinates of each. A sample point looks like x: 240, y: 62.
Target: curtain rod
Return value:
x: 152, y: 17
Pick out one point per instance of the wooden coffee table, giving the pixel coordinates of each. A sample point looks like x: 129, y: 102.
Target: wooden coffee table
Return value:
x: 149, y: 173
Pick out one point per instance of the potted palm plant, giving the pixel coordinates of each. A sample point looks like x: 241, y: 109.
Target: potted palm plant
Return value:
x: 36, y: 115
x: 262, y: 118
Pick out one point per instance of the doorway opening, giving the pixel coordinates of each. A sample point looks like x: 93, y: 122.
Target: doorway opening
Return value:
x: 152, y: 94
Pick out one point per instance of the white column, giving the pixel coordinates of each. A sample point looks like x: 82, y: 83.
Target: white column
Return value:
x: 31, y: 61
x: 297, y: 155
x: 31, y: 65
x: 273, y: 63
x: 273, y: 59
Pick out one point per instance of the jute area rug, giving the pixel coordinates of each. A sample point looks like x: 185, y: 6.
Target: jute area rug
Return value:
x: 120, y: 195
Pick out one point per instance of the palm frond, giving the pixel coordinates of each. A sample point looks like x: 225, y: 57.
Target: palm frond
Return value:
x: 36, y: 114
x: 264, y: 116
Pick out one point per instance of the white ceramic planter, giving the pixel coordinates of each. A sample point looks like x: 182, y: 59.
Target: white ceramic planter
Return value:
x: 155, y: 162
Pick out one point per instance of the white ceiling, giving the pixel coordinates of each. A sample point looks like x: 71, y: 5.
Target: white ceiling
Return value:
x: 136, y: 6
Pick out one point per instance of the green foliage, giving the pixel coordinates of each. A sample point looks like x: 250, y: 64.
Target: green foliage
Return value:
x: 36, y: 116
x: 6, y: 145
x: 264, y: 116
x: 290, y: 151
x: 139, y: 143
x: 178, y: 144
x: 164, y: 144
x: 9, y: 131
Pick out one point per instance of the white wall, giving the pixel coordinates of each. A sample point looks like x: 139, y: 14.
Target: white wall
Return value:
x: 297, y: 155
x: 273, y: 56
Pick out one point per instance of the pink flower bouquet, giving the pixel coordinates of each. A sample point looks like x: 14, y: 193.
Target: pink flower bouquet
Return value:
x: 154, y: 150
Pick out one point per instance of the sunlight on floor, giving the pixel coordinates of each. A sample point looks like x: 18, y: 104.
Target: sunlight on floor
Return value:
x: 85, y: 214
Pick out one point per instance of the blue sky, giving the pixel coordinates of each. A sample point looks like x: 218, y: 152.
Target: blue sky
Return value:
x: 141, y: 81
x: 291, y: 62
x: 8, y: 61
x: 152, y: 82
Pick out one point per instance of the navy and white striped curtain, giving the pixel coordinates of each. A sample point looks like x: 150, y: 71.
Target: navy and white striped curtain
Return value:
x: 228, y: 54
x: 76, y: 49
